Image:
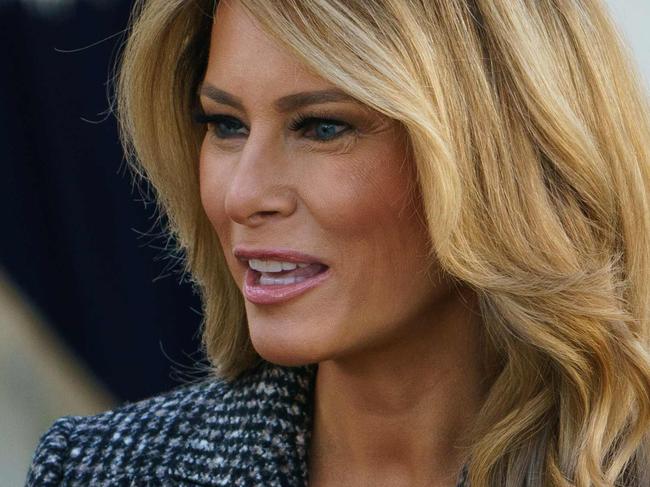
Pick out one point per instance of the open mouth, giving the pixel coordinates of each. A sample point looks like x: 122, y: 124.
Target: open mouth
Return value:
x: 274, y: 276
x: 271, y: 284
x: 287, y: 277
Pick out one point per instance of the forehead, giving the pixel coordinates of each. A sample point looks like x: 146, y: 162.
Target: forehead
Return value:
x: 244, y: 59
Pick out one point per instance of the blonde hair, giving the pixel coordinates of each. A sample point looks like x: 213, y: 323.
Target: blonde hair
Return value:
x: 530, y: 132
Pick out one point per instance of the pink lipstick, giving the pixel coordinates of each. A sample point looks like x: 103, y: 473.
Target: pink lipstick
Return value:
x: 272, y: 282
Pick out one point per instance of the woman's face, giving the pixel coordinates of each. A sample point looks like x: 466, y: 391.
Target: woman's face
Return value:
x: 328, y: 179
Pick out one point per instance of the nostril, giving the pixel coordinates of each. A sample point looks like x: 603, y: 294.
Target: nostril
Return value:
x: 260, y: 217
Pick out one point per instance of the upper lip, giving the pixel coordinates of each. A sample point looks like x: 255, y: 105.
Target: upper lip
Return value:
x: 278, y: 254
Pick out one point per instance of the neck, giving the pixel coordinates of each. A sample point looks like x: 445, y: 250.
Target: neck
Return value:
x: 398, y: 415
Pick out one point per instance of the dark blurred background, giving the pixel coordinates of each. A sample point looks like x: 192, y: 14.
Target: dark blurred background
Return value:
x: 77, y: 239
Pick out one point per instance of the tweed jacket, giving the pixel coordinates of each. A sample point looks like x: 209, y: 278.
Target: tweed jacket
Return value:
x: 253, y: 431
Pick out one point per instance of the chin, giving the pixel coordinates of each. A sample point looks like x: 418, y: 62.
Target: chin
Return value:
x: 285, y: 357
x: 290, y: 351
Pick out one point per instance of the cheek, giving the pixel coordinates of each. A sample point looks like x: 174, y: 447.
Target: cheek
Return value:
x: 372, y: 215
x: 367, y: 199
x: 211, y: 186
x: 365, y: 204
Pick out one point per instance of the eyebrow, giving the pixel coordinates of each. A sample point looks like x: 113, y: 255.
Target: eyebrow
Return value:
x: 285, y: 104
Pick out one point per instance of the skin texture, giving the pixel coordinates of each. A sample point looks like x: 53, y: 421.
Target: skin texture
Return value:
x: 398, y: 377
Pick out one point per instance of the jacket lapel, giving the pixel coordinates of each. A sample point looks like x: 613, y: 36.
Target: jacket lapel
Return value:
x: 257, y: 432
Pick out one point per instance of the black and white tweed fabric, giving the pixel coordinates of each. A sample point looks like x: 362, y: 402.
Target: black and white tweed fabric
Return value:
x: 254, y: 431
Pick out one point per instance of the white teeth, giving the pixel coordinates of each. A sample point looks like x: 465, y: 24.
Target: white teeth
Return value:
x: 273, y: 265
x: 266, y: 280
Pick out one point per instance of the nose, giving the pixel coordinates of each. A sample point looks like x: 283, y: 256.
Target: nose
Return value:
x: 259, y: 189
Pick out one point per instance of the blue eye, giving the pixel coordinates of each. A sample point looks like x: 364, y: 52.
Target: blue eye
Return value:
x: 325, y: 129
x: 227, y: 126
x: 223, y: 126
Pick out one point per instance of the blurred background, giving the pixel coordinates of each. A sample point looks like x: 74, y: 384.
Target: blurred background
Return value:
x: 93, y: 310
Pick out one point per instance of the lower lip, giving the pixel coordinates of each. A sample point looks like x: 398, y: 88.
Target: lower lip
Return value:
x: 278, y: 293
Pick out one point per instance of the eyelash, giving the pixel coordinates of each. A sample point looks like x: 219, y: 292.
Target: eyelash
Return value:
x: 301, y: 121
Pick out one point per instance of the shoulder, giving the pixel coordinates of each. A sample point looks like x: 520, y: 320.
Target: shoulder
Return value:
x: 187, y: 432
x: 52, y: 448
x: 87, y: 448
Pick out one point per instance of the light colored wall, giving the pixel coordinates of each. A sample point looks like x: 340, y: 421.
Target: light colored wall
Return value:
x: 633, y: 18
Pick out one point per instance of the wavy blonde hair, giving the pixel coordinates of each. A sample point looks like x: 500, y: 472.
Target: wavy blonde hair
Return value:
x: 530, y: 131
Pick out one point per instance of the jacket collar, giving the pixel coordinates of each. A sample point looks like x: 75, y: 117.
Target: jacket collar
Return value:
x: 263, y: 429
x: 260, y: 431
